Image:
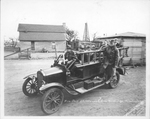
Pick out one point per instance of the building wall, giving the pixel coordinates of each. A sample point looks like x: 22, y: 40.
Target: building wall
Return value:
x: 136, y: 51
x: 60, y: 46
x: 41, y: 36
x: 24, y: 45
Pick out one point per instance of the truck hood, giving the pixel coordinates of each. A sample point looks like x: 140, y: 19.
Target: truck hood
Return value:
x: 51, y: 71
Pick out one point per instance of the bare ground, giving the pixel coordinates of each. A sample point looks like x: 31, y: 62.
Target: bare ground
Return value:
x: 99, y: 102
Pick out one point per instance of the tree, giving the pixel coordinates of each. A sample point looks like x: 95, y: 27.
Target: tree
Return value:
x: 11, y: 42
x: 94, y: 36
x: 71, y: 35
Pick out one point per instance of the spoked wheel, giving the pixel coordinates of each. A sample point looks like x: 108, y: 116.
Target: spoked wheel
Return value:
x: 52, y: 100
x: 29, y: 87
x: 115, y: 80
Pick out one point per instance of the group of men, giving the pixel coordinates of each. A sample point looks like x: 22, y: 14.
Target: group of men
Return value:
x: 111, y: 55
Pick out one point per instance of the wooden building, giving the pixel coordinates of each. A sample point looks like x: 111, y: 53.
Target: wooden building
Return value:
x: 136, y: 43
x: 42, y: 36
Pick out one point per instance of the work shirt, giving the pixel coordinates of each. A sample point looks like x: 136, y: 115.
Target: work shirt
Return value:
x: 69, y: 55
x: 111, y: 54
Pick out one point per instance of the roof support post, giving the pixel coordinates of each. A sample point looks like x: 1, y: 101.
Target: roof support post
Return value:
x: 32, y: 45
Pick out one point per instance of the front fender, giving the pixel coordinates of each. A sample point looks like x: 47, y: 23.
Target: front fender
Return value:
x: 49, y: 85
x: 31, y: 75
x: 121, y: 70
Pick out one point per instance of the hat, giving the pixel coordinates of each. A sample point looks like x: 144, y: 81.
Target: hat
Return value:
x: 112, y: 40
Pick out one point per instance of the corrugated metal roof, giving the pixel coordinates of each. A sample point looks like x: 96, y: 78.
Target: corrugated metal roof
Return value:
x: 132, y: 34
x: 126, y: 34
x: 41, y: 28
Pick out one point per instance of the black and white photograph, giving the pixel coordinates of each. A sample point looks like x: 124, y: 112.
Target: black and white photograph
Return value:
x: 75, y: 58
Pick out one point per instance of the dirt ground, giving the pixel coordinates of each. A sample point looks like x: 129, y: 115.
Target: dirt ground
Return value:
x: 99, y: 102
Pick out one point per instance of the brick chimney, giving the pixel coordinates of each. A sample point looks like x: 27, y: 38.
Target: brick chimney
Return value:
x: 64, y: 25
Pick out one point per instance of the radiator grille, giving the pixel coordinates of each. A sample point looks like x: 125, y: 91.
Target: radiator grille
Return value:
x: 40, y: 78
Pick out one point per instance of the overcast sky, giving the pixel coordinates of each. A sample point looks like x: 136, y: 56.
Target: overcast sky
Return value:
x: 103, y: 16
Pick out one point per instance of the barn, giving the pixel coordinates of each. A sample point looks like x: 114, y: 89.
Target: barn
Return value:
x: 37, y: 37
x: 136, y: 43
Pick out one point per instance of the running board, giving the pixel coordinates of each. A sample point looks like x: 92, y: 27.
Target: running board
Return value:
x: 72, y: 92
x: 83, y: 90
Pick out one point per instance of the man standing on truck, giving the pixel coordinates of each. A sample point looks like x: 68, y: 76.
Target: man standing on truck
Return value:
x: 111, y: 55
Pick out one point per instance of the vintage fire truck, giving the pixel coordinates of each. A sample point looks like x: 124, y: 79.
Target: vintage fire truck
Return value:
x: 84, y: 69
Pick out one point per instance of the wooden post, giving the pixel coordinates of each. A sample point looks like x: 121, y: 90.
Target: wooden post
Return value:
x: 32, y: 45
x: 88, y: 58
x: 94, y: 56
x: 55, y: 52
x: 54, y: 47
x: 82, y: 58
x: 131, y: 63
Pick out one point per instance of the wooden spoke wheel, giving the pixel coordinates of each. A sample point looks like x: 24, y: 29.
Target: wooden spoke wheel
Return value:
x: 52, y: 100
x: 114, y: 81
x: 29, y: 87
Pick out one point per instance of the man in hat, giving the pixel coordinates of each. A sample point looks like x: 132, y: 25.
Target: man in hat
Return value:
x: 70, y: 57
x: 118, y: 45
x: 69, y: 54
x: 111, y: 54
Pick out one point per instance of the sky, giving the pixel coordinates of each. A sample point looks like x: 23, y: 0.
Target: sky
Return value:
x: 102, y: 16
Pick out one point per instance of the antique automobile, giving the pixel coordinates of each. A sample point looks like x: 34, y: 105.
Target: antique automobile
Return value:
x: 84, y: 68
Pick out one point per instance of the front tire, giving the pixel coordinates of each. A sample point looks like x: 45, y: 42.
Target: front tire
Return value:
x: 29, y: 87
x: 52, y: 100
x: 114, y: 81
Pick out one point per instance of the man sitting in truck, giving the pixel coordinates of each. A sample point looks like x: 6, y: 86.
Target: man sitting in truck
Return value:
x: 70, y: 57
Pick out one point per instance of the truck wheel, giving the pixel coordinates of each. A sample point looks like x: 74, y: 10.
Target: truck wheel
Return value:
x: 114, y: 82
x: 29, y: 87
x: 52, y: 100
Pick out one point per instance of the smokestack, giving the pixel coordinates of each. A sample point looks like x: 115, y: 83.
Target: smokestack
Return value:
x: 86, y: 36
x: 64, y: 25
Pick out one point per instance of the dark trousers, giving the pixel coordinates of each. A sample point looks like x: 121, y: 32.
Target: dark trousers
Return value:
x: 109, y: 71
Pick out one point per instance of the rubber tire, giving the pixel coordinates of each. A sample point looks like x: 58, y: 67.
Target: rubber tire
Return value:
x: 118, y: 79
x: 45, y: 96
x: 24, y: 88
